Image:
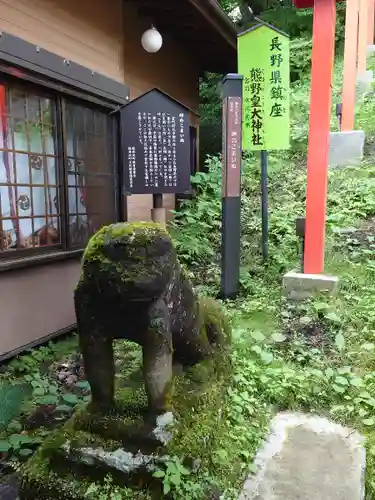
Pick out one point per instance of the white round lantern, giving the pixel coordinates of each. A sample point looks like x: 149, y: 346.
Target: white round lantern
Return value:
x: 152, y: 40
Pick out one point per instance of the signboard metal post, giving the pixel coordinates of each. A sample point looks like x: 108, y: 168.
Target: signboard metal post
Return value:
x: 264, y: 192
x: 231, y: 182
x: 263, y: 59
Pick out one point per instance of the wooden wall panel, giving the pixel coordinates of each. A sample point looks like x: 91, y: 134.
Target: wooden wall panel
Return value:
x: 36, y: 302
x: 85, y: 31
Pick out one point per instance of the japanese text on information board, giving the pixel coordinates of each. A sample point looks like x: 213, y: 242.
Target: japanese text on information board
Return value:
x: 155, y: 137
x: 263, y: 60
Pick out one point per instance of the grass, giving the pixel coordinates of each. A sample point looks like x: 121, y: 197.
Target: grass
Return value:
x: 317, y: 356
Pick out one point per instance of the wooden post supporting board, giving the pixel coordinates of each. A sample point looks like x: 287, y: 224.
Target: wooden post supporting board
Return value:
x: 158, y: 212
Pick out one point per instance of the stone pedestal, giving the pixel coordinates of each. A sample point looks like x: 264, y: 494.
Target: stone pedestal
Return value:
x: 346, y: 148
x: 300, y: 286
x: 310, y: 458
x: 364, y: 83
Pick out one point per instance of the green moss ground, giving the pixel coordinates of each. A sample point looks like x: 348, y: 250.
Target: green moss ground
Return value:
x: 196, y: 401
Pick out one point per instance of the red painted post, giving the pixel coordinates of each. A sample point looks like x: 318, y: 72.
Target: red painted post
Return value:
x: 350, y: 65
x: 319, y: 127
x: 362, y: 35
x: 371, y: 20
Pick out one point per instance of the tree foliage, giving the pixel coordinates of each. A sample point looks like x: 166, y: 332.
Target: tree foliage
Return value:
x: 297, y: 23
x: 229, y: 5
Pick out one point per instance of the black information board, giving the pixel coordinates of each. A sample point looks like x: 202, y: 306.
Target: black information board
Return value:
x: 155, y: 145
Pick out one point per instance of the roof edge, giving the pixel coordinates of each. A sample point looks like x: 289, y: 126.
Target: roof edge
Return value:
x: 215, y: 15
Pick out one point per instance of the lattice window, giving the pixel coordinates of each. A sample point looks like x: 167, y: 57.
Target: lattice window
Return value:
x: 58, y: 180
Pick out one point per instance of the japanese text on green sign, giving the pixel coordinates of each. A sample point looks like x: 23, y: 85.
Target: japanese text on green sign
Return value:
x: 263, y: 60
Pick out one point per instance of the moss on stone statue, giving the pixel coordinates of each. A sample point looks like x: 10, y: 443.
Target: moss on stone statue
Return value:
x: 140, y: 234
x: 134, y: 236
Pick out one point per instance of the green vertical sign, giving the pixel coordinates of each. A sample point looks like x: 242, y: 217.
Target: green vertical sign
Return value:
x: 263, y: 60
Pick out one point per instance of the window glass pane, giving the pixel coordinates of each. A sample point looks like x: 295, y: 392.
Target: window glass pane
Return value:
x: 35, y: 130
x: 20, y: 164
x: 51, y: 171
x: 72, y: 199
x: 89, y: 120
x: 33, y: 108
x: 18, y: 133
x: 78, y: 230
x: 91, y: 171
x: 100, y: 124
x: 37, y: 168
x: 18, y: 104
x: 29, y: 202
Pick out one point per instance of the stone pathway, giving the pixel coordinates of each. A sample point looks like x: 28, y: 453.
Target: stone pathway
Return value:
x: 308, y: 458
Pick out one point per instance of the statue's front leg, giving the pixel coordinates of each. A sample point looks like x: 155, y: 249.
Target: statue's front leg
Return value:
x: 157, y: 358
x: 97, y: 351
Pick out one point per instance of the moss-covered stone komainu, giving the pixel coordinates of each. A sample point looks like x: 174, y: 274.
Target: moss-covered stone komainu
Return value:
x: 132, y: 287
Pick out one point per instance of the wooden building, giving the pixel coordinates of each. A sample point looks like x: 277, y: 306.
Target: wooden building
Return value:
x: 65, y: 68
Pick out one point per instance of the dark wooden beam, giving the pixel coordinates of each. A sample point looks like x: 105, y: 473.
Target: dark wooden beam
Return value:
x: 168, y: 17
x: 192, y: 35
x: 151, y: 3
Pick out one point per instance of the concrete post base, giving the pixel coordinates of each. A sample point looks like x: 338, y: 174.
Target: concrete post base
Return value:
x: 364, y: 83
x: 300, y: 286
x: 346, y: 148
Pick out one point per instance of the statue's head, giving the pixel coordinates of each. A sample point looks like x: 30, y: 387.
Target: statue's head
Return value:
x: 135, y: 260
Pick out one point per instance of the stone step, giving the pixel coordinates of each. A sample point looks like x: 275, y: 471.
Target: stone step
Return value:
x: 308, y: 458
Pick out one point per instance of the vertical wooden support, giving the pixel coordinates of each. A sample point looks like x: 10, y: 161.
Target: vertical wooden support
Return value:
x: 319, y: 127
x: 158, y: 212
x: 362, y: 36
x: 350, y: 65
x: 370, y: 22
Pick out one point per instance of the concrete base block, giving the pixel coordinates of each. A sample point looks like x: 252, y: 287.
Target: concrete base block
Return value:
x: 299, y: 286
x: 310, y: 458
x: 364, y: 82
x: 346, y: 148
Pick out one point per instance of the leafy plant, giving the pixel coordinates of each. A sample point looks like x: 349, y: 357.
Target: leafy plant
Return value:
x: 19, y: 444
x: 44, y: 391
x: 175, y: 480
x: 12, y: 397
x: 107, y: 491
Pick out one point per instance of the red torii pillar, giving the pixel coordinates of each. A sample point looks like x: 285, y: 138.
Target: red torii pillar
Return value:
x: 350, y: 65
x: 323, y: 49
x: 371, y: 21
